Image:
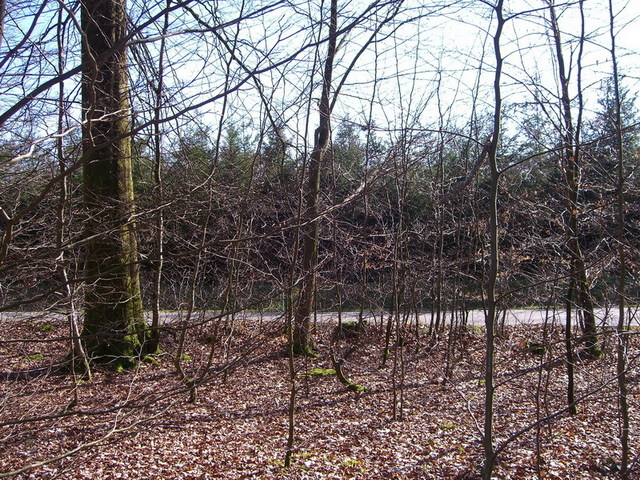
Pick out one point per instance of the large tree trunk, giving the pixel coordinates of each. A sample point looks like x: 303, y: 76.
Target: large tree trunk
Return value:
x: 113, y: 325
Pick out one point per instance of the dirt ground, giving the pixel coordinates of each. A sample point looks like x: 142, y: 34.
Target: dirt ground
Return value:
x: 420, y: 416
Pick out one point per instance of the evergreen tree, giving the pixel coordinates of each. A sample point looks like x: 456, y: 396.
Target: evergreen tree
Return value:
x: 603, y: 130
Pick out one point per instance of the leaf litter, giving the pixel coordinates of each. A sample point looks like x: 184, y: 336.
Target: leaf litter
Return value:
x: 420, y: 417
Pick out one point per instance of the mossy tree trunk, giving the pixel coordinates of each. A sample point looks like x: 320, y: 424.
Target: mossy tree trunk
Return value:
x: 114, y: 326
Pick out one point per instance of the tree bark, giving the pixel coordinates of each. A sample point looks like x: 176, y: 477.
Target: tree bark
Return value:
x: 622, y: 336
x: 158, y: 257
x: 114, y: 326
x: 3, y: 9
x: 302, y: 338
x: 571, y: 172
x: 494, y: 254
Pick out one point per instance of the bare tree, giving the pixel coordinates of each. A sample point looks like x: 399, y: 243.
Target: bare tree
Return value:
x: 302, y: 342
x: 578, y: 283
x: 622, y: 334
x: 78, y: 354
x: 494, y: 252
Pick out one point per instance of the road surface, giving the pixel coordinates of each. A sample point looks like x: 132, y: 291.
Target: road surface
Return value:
x: 474, y: 317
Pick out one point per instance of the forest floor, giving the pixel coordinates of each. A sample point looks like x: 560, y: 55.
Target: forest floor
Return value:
x: 420, y: 416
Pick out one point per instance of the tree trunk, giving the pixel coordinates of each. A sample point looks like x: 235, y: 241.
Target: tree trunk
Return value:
x: 302, y: 341
x: 114, y: 326
x: 571, y: 167
x: 621, y: 347
x: 494, y: 257
x: 77, y: 355
x: 3, y: 9
x: 158, y: 257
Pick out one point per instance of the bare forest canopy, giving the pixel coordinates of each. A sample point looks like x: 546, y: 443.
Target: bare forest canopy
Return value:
x: 401, y: 159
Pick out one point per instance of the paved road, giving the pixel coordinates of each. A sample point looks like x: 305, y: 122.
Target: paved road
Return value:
x: 475, y: 317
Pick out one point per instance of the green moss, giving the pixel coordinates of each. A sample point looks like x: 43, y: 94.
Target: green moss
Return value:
x: 351, y: 462
x: 111, y: 338
x: 350, y: 329
x: 33, y: 357
x: 151, y: 359
x: 320, y: 372
x: 536, y: 348
x: 385, y: 355
x: 349, y: 325
x: 595, y: 351
x: 300, y: 351
x: 448, y: 426
x: 354, y: 387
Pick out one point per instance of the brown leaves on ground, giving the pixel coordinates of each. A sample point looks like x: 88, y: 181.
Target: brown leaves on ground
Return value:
x: 140, y: 425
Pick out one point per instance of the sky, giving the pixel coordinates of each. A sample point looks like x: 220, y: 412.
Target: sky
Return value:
x: 431, y: 67
x: 438, y: 68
